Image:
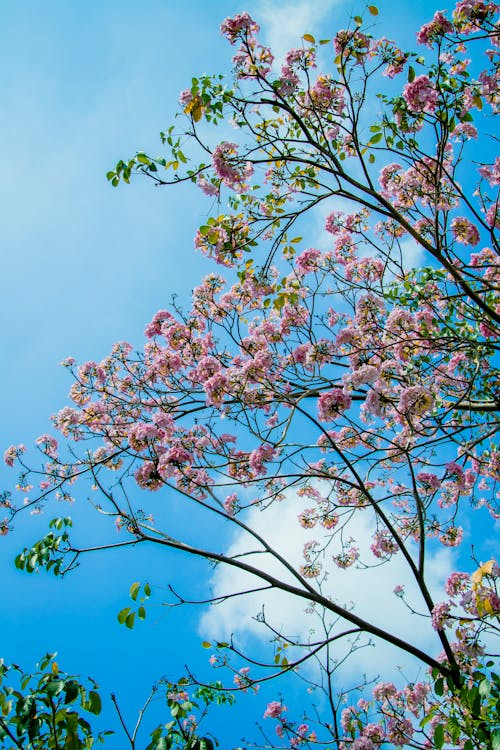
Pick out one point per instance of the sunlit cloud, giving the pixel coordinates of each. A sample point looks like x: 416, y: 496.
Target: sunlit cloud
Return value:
x: 369, y: 591
x: 284, y: 23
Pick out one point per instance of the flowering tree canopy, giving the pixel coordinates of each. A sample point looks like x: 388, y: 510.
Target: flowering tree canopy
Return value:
x: 354, y: 372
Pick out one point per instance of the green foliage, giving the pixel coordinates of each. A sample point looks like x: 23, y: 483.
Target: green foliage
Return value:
x: 47, y: 709
x: 48, y: 552
x: 473, y: 712
x: 127, y: 615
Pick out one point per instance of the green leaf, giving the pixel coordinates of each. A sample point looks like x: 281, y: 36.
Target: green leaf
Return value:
x: 484, y: 687
x: 54, y: 687
x: 309, y: 38
x: 439, y: 737
x: 206, y: 644
x: 375, y: 138
x: 373, y: 10
x: 495, y: 739
x: 439, y: 686
x: 95, y: 703
x: 411, y: 74
x: 134, y: 591
x: 161, y: 744
x: 141, y: 613
x: 123, y: 614
x: 71, y: 692
x: 129, y: 620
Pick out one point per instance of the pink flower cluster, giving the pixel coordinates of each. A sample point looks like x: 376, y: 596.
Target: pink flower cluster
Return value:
x: 12, y: 453
x: 420, y: 95
x: 274, y: 710
x: 232, y: 171
x: 491, y: 172
x: 332, y: 403
x: 238, y: 25
x: 465, y: 231
x: 438, y: 27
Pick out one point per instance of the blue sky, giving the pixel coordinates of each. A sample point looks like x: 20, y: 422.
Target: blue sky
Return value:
x: 84, y: 265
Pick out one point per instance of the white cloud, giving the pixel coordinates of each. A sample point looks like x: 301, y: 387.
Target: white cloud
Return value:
x: 413, y: 254
x: 369, y: 591
x: 284, y: 23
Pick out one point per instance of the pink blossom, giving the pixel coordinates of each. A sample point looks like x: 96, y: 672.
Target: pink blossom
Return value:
x: 207, y: 187
x: 147, y: 476
x: 351, y: 43
x: 469, y: 13
x: 457, y: 583
x: 216, y: 388
x: 185, y: 98
x: 416, y: 401
x: 363, y: 743
x: 493, y: 216
x: 241, y: 23
x: 230, y: 504
x: 141, y: 434
x: 307, y: 519
x: 308, y: 261
x: 346, y: 558
x: 399, y: 731
x: 295, y: 60
x: 491, y: 172
x: 229, y: 168
x: 452, y: 536
x: 390, y: 178
x: 430, y: 481
x: 154, y: 328
x: 416, y: 696
x: 374, y: 732
x: 347, y: 718
x: 48, y: 445
x: 274, y: 710
x: 385, y: 691
x: 465, y: 130
x: 383, y: 544
x: 420, y: 95
x: 438, y: 27
x: 259, y: 456
x: 440, y: 615
x: 13, y: 452
x: 332, y: 403
x: 464, y: 231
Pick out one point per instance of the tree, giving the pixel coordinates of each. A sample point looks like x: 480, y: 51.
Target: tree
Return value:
x: 51, y: 709
x: 359, y: 382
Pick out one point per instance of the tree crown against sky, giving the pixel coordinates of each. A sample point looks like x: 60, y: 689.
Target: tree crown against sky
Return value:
x: 353, y: 383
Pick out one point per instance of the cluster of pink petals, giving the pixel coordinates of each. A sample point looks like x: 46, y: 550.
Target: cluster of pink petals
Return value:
x: 491, y: 172
x: 241, y: 23
x: 438, y: 27
x: 420, y: 95
x: 468, y: 14
x: 232, y: 171
x: 274, y: 710
x: 332, y: 403
x: 465, y: 231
